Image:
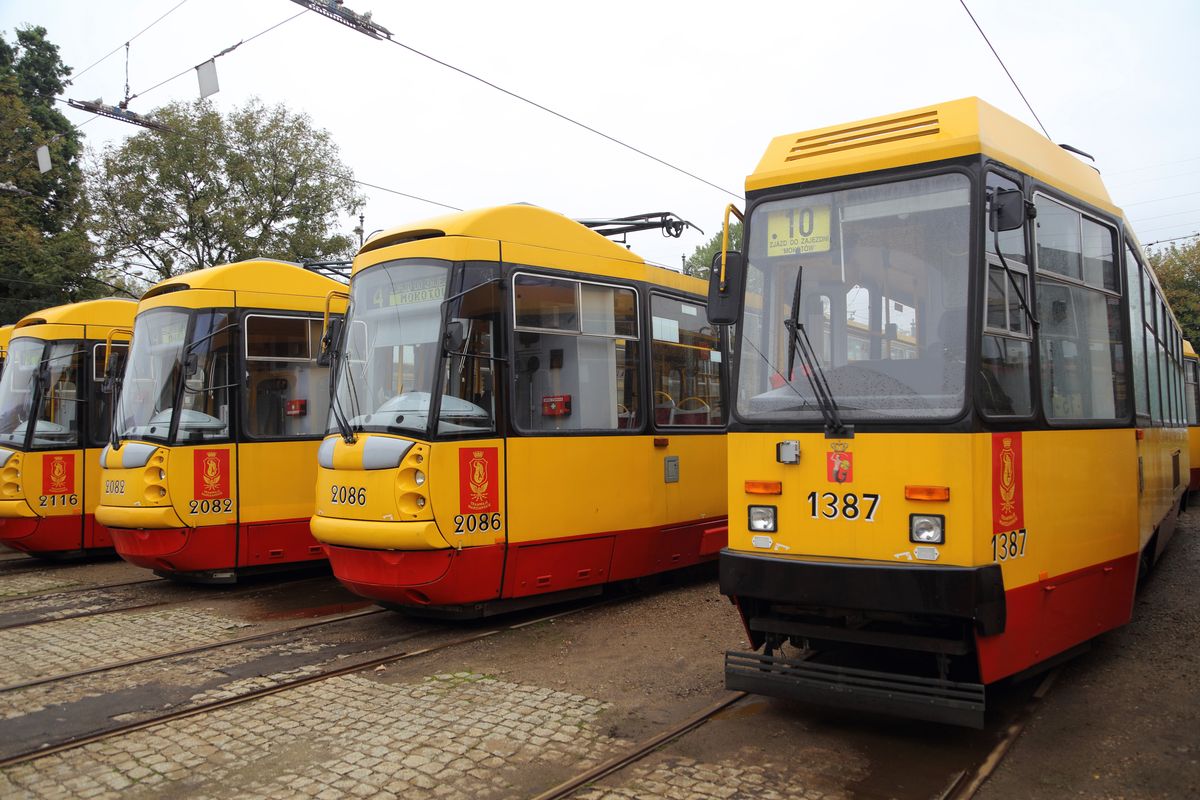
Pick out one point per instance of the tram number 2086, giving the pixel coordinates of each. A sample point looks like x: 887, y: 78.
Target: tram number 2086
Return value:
x: 472, y: 523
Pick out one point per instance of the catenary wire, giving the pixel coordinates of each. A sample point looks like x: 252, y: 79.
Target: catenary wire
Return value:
x: 1005, y: 68
x: 116, y: 49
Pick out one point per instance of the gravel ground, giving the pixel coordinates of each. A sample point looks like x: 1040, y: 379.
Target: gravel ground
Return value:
x: 1123, y: 721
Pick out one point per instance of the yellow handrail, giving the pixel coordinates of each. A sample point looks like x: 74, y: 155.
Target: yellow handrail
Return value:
x: 108, y: 342
x: 731, y: 208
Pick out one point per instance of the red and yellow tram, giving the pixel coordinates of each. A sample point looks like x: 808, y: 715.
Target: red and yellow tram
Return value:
x: 525, y: 411
x: 959, y: 431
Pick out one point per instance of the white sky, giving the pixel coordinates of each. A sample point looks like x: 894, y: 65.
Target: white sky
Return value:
x: 703, y: 85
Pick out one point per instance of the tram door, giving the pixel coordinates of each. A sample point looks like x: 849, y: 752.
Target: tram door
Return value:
x: 689, y: 422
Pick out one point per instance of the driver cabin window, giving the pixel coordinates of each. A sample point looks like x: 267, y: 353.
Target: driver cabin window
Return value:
x: 1003, y: 383
x: 287, y: 392
x: 576, y: 355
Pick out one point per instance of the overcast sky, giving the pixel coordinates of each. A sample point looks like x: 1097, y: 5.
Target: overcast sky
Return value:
x: 702, y: 85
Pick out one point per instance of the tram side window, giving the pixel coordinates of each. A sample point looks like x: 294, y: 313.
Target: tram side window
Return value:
x: 1004, y: 376
x: 576, y: 355
x: 208, y: 379
x: 100, y: 406
x: 1137, y: 332
x: 1150, y: 305
x: 287, y: 393
x: 1193, y: 387
x: 56, y: 423
x: 1080, y: 339
x: 685, y: 357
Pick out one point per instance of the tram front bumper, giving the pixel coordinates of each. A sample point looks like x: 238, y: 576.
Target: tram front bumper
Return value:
x: 969, y: 593
x: 138, y: 517
x: 372, y: 535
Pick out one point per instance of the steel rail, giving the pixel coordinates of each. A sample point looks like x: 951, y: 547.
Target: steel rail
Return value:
x: 77, y: 590
x: 638, y: 752
x: 72, y: 743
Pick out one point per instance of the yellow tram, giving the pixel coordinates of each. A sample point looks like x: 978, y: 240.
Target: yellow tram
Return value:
x: 222, y: 406
x: 958, y: 431
x: 49, y: 469
x: 5, y: 335
x: 1191, y: 402
x: 525, y: 411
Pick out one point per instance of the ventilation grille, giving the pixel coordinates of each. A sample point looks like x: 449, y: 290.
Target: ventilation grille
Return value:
x: 896, y: 129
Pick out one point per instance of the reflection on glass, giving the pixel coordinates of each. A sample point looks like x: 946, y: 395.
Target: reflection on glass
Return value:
x: 56, y: 420
x: 883, y: 273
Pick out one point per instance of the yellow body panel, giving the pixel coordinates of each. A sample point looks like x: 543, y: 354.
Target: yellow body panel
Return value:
x: 1074, y: 515
x: 923, y: 135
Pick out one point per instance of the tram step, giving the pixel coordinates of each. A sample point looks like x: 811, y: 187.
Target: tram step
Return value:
x: 867, y: 690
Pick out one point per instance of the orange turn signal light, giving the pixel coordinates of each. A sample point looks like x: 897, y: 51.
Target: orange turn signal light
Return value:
x: 1141, y: 434
x: 926, y: 492
x: 764, y: 487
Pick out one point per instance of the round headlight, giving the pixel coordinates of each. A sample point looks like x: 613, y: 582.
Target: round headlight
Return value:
x: 927, y: 528
x: 419, y: 478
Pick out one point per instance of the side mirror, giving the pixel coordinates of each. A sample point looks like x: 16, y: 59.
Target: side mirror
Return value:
x: 112, y: 372
x: 330, y: 341
x: 455, y: 336
x: 191, y: 364
x: 1008, y: 210
x: 725, y: 298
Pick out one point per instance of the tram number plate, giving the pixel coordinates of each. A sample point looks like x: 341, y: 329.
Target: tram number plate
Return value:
x: 220, y: 506
x: 114, y: 487
x: 58, y: 500
x: 851, y: 506
x: 473, y: 523
x: 348, y: 495
x: 1006, y: 546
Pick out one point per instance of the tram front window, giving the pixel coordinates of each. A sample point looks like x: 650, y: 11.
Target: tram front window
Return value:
x: 393, y: 342
x: 882, y: 278
x: 48, y: 374
x: 170, y: 344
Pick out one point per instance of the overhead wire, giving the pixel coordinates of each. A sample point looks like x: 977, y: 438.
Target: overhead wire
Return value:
x: 1173, y: 239
x: 116, y: 49
x: 1004, y: 67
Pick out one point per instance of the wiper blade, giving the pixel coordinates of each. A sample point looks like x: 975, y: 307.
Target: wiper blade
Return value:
x: 798, y: 342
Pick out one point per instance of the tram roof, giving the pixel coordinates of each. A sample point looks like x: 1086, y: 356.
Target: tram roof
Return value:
x: 254, y: 275
x: 113, y: 312
x: 5, y: 334
x: 934, y: 133
x: 1188, y: 350
x: 517, y: 223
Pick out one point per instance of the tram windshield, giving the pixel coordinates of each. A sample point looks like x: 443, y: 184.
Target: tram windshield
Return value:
x: 881, y: 272
x: 393, y: 343
x: 48, y: 375
x: 178, y: 373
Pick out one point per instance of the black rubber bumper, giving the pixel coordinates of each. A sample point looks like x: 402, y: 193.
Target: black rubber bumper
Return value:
x: 974, y: 593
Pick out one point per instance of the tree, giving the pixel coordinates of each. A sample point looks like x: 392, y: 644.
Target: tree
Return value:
x: 259, y: 183
x: 45, y: 255
x: 700, y: 261
x: 1178, y: 270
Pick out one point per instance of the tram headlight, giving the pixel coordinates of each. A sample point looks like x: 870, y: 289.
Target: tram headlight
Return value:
x: 419, y: 478
x: 762, y: 518
x: 927, y: 528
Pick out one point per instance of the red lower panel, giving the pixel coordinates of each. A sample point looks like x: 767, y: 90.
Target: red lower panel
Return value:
x: 179, y: 549
x: 278, y: 543
x: 543, y: 568
x: 1050, y: 616
x: 96, y: 534
x: 1194, y: 483
x: 45, y: 535
x: 420, y: 577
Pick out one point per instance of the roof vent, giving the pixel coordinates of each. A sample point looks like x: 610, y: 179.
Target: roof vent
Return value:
x: 895, y: 129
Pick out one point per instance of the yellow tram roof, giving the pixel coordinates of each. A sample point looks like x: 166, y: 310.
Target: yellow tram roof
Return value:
x: 526, y: 226
x: 5, y: 334
x: 110, y: 312
x: 260, y: 276
x: 1188, y: 352
x: 947, y: 130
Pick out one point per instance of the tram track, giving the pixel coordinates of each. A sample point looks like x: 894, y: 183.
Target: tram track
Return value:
x: 50, y: 748
x: 228, y: 594
x: 78, y: 589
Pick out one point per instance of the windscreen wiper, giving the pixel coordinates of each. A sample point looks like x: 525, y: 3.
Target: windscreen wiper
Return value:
x: 798, y: 341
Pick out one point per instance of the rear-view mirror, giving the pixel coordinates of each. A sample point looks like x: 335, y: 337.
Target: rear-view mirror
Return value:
x: 725, y: 296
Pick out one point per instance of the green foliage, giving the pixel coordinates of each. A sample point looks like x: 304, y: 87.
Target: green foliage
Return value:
x: 700, y: 261
x: 1178, y: 270
x: 45, y: 255
x: 259, y: 183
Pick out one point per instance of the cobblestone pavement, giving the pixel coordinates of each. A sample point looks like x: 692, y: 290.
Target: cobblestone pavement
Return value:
x: 462, y: 735
x: 681, y: 778
x: 75, y: 644
x: 21, y: 585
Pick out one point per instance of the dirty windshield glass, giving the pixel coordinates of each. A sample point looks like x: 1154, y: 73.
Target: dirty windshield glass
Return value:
x: 882, y: 274
x: 57, y: 416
